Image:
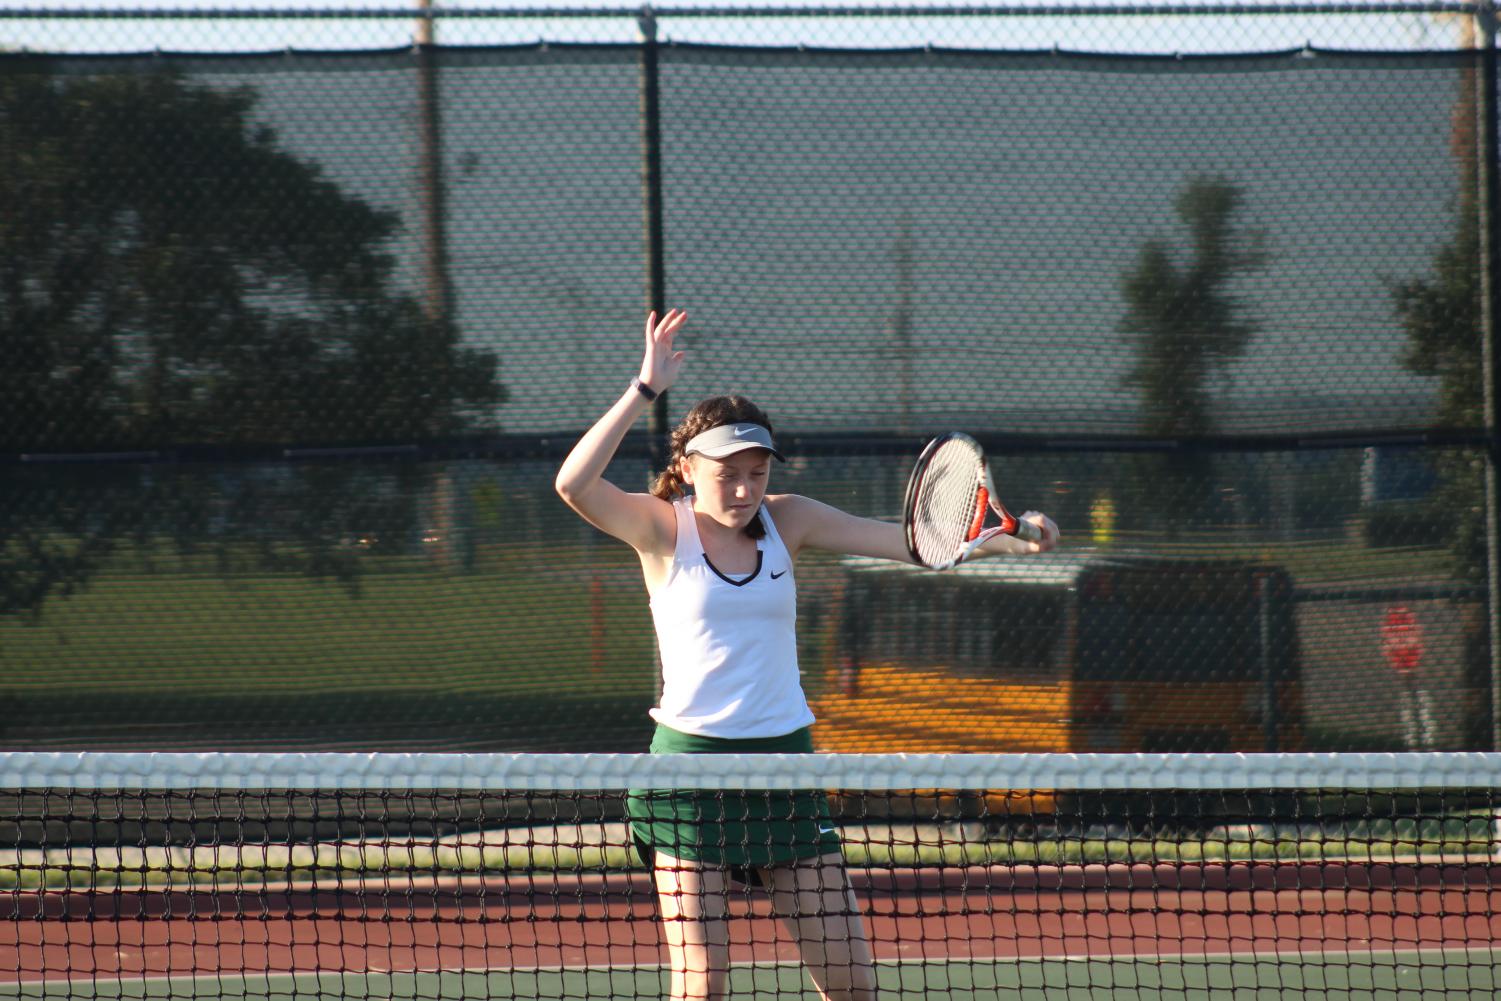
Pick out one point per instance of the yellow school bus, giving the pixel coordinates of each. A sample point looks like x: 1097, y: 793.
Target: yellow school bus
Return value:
x: 1080, y: 652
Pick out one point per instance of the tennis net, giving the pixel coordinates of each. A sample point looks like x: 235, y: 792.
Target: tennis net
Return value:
x: 442, y: 876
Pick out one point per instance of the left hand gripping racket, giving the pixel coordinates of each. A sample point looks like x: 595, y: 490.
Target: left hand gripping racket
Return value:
x: 948, y: 495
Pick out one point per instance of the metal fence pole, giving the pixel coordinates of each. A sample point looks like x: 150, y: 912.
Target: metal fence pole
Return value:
x: 1271, y: 676
x: 437, y: 296
x: 651, y: 202
x: 656, y: 280
x: 1486, y: 197
x: 437, y: 292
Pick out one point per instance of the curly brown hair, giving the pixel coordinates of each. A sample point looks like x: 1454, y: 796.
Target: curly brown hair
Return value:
x: 708, y: 414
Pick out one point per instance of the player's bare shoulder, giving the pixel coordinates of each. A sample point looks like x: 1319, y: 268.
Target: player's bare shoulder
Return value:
x: 661, y: 515
x: 794, y: 514
x: 643, y: 521
x: 785, y: 506
x: 656, y: 551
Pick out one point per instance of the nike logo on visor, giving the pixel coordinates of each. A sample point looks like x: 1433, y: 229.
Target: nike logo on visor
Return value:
x: 742, y: 432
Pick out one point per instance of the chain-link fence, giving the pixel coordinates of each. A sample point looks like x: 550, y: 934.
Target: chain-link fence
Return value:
x: 1186, y: 27
x: 299, y: 317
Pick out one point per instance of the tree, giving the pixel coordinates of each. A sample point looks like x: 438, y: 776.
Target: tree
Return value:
x: 1441, y: 314
x: 1187, y: 326
x: 1442, y: 317
x: 170, y: 275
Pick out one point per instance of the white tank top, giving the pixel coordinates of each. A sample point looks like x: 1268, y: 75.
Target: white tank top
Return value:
x: 729, y: 646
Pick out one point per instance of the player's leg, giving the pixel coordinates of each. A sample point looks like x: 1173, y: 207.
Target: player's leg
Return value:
x: 816, y: 904
x: 694, y: 903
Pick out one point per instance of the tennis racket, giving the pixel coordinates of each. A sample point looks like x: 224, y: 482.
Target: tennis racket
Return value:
x: 948, y: 496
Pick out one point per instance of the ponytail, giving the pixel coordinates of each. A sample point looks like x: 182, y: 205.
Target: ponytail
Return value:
x: 669, y: 483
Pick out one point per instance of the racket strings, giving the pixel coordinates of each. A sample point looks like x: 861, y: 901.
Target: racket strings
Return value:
x: 950, y: 503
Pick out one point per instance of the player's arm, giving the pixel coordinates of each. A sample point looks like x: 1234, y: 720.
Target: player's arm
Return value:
x: 641, y: 520
x: 805, y: 522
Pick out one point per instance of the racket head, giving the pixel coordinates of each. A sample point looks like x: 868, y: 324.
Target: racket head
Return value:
x: 945, y: 503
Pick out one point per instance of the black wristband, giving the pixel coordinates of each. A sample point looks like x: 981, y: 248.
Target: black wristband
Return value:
x: 643, y: 388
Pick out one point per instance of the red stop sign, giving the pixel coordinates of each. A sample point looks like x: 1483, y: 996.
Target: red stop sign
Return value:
x: 1402, y: 638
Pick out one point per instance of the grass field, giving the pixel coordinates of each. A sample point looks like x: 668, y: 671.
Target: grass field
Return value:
x: 332, y: 866
x: 510, y: 656
x: 1317, y: 561
x: 531, y: 640
x: 409, y: 627
x: 527, y: 617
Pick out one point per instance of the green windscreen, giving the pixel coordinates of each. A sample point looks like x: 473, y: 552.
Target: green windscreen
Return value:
x: 294, y: 345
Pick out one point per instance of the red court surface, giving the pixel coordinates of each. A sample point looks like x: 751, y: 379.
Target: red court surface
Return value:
x: 523, y: 922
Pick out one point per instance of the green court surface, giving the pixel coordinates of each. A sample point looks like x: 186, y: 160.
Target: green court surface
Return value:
x: 1432, y: 974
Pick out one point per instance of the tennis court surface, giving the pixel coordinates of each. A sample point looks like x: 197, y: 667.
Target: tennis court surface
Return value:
x: 979, y: 876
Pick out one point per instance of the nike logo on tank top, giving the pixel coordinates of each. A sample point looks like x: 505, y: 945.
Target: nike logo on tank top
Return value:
x: 728, y: 643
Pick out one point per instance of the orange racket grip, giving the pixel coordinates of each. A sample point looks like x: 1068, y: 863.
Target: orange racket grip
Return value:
x: 982, y: 501
x: 1024, y: 530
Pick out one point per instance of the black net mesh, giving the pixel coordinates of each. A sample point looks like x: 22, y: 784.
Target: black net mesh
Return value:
x: 1359, y: 880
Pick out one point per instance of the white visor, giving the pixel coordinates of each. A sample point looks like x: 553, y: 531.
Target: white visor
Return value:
x: 727, y: 439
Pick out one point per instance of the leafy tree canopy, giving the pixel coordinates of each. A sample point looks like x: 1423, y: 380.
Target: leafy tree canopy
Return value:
x: 1441, y: 314
x: 1180, y: 312
x: 1187, y: 326
x: 170, y: 274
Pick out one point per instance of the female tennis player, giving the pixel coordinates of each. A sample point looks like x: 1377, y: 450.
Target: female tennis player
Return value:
x: 719, y: 569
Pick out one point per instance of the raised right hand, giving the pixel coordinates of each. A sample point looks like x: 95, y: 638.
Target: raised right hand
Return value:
x: 661, y: 364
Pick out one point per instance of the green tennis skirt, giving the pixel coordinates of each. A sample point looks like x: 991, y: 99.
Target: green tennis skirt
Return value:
x: 738, y: 829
